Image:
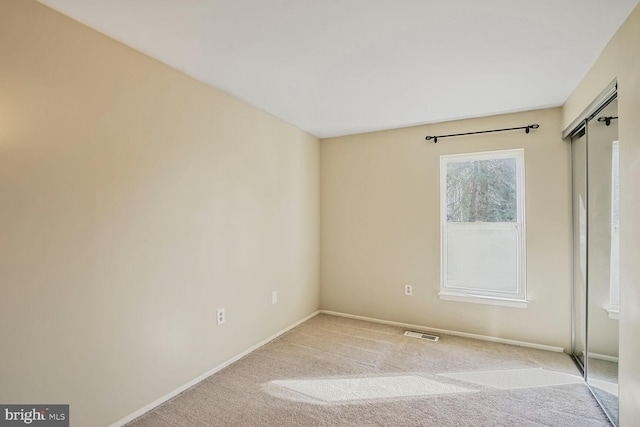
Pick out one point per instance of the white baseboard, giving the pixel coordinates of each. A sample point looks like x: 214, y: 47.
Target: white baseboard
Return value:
x: 448, y: 332
x: 207, y: 374
x: 602, y: 357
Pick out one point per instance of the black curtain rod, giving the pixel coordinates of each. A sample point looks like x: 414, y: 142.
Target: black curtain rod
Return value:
x: 526, y: 129
x: 607, y: 120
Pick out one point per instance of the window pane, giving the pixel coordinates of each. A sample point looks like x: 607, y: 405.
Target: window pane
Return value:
x: 615, y: 175
x: 483, y: 258
x: 482, y: 190
x: 614, y: 290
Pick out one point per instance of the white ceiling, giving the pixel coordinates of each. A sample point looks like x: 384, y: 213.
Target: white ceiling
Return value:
x: 336, y: 67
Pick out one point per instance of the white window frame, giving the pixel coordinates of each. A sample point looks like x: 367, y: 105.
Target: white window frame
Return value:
x: 614, y: 282
x: 517, y: 298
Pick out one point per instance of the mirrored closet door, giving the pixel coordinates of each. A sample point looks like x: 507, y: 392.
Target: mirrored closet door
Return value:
x: 603, y: 251
x: 579, y: 171
x: 596, y: 200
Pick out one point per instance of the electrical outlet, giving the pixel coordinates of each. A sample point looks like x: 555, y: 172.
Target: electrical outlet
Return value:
x: 408, y: 290
x: 274, y: 297
x: 220, y: 316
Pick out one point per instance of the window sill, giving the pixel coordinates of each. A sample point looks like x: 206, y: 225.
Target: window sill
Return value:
x: 614, y: 313
x: 482, y: 299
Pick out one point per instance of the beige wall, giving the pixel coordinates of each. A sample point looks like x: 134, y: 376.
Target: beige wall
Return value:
x: 621, y: 60
x: 380, y: 227
x: 134, y: 201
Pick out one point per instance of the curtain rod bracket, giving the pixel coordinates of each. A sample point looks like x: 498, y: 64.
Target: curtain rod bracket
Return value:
x: 526, y: 130
x: 607, y: 120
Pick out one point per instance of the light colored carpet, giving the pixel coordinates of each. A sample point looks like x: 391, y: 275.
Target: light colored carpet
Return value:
x: 603, y: 377
x: 611, y: 388
x: 509, y: 379
x: 331, y: 371
x: 365, y: 388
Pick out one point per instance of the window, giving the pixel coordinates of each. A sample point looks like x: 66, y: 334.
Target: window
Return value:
x: 614, y: 288
x: 482, y: 221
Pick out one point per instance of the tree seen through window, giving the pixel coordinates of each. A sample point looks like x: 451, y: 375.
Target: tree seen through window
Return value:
x: 482, y: 191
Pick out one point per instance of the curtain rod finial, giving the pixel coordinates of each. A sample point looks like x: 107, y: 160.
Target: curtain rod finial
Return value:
x: 529, y: 127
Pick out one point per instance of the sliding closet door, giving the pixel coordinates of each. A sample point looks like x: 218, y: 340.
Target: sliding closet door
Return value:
x: 603, y: 250
x: 595, y: 156
x: 579, y: 171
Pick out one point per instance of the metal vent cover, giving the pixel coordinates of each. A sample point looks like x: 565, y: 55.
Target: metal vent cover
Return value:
x: 421, y: 335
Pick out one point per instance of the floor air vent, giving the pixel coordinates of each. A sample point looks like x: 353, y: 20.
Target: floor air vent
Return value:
x: 421, y: 336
